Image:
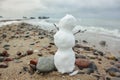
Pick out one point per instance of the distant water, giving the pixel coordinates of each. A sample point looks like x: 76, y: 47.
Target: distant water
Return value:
x: 110, y: 27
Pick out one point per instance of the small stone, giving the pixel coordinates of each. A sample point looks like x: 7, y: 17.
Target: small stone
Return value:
x: 84, y: 41
x: 91, y: 56
x: 1, y: 59
x: 8, y: 59
x: 51, y: 43
x: 34, y: 62
x: 115, y: 72
x: 39, y: 54
x: 52, y: 52
x: 82, y: 63
x: 6, y: 48
x: 78, y: 46
x: 25, y: 68
x: 87, y: 48
x: 29, y: 52
x: 111, y: 57
x: 6, y: 45
x: 103, y: 43
x: 19, y: 53
x: 3, y: 65
x: 96, y: 52
x: 92, y: 67
x: 36, y: 51
x: 80, y: 56
x: 32, y: 44
x: 5, y: 53
x: 45, y: 64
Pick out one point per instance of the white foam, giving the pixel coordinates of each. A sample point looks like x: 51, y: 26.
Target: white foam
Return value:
x: 100, y: 30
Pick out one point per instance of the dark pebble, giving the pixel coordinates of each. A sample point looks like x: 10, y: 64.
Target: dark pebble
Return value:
x: 29, y: 52
x: 2, y: 59
x: 3, y: 65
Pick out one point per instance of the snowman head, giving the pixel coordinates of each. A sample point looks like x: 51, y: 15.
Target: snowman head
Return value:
x: 68, y: 22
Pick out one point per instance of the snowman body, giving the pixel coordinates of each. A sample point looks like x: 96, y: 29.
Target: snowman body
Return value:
x: 64, y: 39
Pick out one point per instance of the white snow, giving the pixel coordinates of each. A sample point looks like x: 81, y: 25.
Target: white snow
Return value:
x: 64, y: 39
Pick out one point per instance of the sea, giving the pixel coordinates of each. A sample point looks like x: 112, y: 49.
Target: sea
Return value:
x: 92, y: 30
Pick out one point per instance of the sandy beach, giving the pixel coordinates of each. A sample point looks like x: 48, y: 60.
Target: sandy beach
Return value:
x: 22, y: 37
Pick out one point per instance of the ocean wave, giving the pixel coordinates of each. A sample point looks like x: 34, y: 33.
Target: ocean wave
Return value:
x: 99, y: 30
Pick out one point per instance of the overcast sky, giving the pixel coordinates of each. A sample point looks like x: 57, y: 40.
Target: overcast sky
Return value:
x: 58, y: 8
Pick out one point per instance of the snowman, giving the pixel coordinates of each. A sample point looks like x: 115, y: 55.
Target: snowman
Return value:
x: 64, y: 39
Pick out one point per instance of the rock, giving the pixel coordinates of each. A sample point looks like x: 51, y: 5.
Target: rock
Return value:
x: 34, y: 62
x: 87, y: 48
x: 52, y: 52
x: 29, y: 52
x: 25, y: 68
x: 91, y: 56
x: 1, y: 59
x: 96, y: 52
x: 45, y: 64
x: 32, y: 44
x: 36, y: 51
x: 51, y: 43
x: 115, y: 72
x: 110, y: 56
x: 82, y: 63
x: 27, y: 36
x: 4, y: 35
x: 4, y: 53
x: 6, y: 45
x: 92, y: 67
x: 8, y: 59
x: 19, y: 53
x: 102, y: 43
x: 3, y: 65
x: 84, y: 41
x: 6, y: 48
x: 80, y: 56
x: 39, y: 54
x: 77, y: 45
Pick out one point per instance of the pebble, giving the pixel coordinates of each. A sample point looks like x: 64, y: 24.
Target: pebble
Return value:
x: 45, y: 64
x: 102, y: 43
x: 96, y: 52
x: 4, y: 53
x: 32, y: 44
x: 36, y: 51
x: 3, y: 65
x: 91, y: 56
x: 1, y: 59
x: 80, y: 56
x: 6, y: 45
x: 115, y: 72
x: 19, y: 53
x: 110, y: 57
x: 82, y: 63
x: 78, y: 46
x: 8, y: 59
x: 29, y: 52
x: 34, y: 62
